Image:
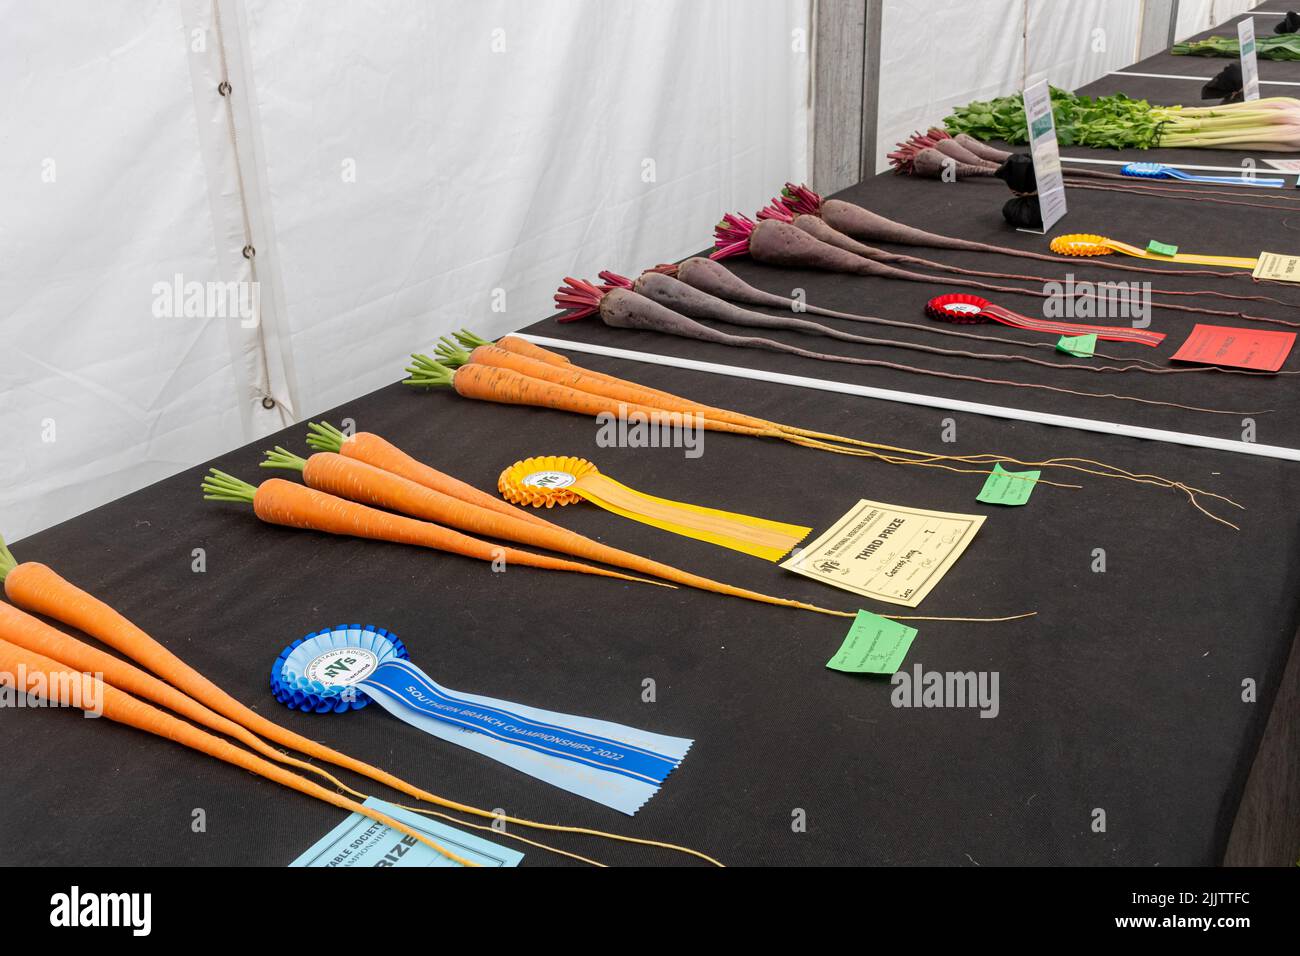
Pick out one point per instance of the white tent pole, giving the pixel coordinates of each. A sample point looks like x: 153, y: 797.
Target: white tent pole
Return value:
x: 929, y: 401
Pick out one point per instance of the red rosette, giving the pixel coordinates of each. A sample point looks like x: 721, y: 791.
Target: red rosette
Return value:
x: 958, y: 308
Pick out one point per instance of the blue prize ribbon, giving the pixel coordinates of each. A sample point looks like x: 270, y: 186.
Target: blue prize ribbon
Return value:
x: 405, y: 683
x: 293, y: 688
x: 342, y: 668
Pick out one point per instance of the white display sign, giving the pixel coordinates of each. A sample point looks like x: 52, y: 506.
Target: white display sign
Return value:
x: 1249, y: 63
x: 1045, y: 152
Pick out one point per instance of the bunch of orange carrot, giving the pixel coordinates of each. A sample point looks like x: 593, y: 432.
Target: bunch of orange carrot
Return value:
x: 364, y: 471
x: 38, y: 658
x: 516, y: 372
x: 350, y: 482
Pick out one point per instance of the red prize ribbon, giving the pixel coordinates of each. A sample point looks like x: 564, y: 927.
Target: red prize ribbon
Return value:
x: 965, y: 309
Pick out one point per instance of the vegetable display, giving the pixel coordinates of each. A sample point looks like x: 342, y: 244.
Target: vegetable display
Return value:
x: 553, y: 367
x: 281, y: 502
x: 1282, y: 47
x: 373, y: 450
x: 719, y: 281
x: 355, y: 480
x: 774, y: 241
x: 779, y: 243
x: 697, y: 304
x: 505, y: 386
x: 932, y: 155
x: 47, y: 679
x: 38, y: 637
x: 39, y: 589
x: 362, y: 486
x: 1119, y: 122
x: 862, y: 223
x: 821, y: 441
x: 691, y: 299
x: 539, y: 532
x: 819, y: 228
x: 624, y: 308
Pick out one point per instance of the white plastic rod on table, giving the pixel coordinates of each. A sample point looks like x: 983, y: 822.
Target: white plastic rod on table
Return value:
x: 1198, y: 79
x: 1189, y: 166
x: 929, y: 401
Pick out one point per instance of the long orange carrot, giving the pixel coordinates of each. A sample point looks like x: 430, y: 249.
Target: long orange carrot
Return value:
x: 516, y: 355
x: 369, y: 447
x: 38, y: 637
x: 427, y: 374
x: 573, y: 376
x: 41, y: 590
x: 358, y: 481
x: 277, y: 501
x: 388, y: 457
x: 530, y: 358
x: 47, y: 679
x: 630, y: 395
x: 514, y: 344
x: 506, y: 386
x: 647, y: 396
x: 35, y: 635
x: 537, y: 362
x: 526, y: 349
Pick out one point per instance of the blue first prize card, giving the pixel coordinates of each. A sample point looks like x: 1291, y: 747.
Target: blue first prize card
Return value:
x: 360, y: 842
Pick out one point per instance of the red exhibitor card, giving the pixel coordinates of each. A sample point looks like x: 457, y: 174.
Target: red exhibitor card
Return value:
x: 1263, y: 351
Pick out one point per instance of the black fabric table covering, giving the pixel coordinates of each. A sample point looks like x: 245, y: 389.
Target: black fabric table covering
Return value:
x: 1187, y: 65
x: 1124, y: 694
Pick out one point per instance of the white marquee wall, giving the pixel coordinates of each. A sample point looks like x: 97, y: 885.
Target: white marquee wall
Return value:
x: 1197, y: 16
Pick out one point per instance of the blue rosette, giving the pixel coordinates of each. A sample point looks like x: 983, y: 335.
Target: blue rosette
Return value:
x: 315, y: 673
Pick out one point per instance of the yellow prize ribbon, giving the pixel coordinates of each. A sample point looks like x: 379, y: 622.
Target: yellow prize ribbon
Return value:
x: 551, y: 481
x: 1086, y: 244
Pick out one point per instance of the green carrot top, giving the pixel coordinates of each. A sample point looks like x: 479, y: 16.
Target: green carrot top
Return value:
x: 219, y: 486
x: 7, y: 561
x: 468, y: 339
x: 426, y: 373
x: 450, y: 354
x: 283, y: 458
x: 322, y: 436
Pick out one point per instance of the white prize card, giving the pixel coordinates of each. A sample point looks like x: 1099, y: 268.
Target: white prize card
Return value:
x: 1046, y: 154
x: 1249, y: 62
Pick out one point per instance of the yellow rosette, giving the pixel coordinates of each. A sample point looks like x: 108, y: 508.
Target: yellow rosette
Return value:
x: 1087, y: 244
x: 554, y: 481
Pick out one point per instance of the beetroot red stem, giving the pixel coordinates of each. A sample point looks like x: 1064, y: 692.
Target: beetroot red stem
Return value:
x: 776, y: 210
x: 579, y: 298
x: 731, y: 236
x: 615, y: 281
x: 801, y: 200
